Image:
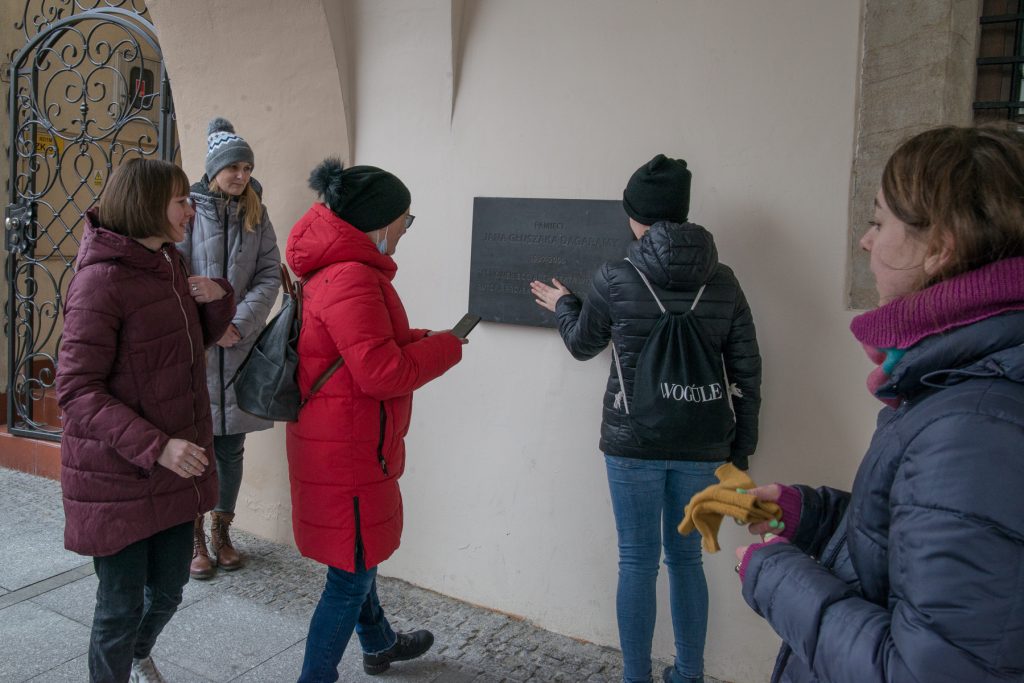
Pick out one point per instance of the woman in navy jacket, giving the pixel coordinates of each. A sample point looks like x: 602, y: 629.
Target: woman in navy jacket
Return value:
x: 918, y: 573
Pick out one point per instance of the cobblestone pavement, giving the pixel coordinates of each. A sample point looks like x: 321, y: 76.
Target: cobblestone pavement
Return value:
x: 250, y: 625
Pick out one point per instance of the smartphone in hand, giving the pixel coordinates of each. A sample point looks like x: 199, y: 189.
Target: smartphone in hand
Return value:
x: 465, y: 326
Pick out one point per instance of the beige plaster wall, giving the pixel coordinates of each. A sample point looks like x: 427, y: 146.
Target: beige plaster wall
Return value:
x: 505, y: 492
x: 270, y: 68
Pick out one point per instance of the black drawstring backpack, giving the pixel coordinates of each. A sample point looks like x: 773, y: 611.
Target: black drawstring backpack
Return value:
x: 266, y: 383
x: 680, y: 392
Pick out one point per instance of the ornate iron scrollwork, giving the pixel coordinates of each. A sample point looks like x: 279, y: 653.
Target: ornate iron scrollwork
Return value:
x: 41, y: 14
x: 88, y: 91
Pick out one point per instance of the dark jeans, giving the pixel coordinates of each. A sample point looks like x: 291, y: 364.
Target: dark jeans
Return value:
x: 140, y: 589
x: 349, y: 601
x: 228, y: 450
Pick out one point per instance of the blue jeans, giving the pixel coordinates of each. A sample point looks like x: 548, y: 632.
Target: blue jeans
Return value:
x: 349, y: 601
x: 140, y: 590
x: 648, y: 498
x: 228, y: 451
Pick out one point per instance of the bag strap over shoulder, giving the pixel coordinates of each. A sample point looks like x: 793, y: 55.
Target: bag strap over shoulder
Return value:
x: 647, y: 282
x: 621, y: 396
x: 322, y: 380
x: 294, y: 289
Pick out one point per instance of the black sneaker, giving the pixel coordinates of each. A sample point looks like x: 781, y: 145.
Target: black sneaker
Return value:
x: 408, y: 646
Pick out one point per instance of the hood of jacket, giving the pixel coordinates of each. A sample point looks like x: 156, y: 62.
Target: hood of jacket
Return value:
x: 320, y: 239
x: 676, y: 256
x: 993, y: 347
x: 101, y: 245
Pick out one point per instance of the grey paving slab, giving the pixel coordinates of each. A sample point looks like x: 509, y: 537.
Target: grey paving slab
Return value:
x: 77, y: 671
x: 77, y: 600
x: 284, y: 666
x: 36, y: 640
x: 33, y: 551
x: 74, y: 671
x: 223, y: 636
x: 46, y: 585
x: 33, y: 524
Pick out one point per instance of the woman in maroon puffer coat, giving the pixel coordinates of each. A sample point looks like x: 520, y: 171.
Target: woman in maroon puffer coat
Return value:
x: 131, y: 382
x: 347, y: 450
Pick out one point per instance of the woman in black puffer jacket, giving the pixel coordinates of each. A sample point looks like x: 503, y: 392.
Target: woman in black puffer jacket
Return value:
x: 652, y: 483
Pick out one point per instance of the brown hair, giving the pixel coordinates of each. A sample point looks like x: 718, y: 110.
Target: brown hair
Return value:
x: 134, y: 203
x: 960, y: 188
x: 249, y: 206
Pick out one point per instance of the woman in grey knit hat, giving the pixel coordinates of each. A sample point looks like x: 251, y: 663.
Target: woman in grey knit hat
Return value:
x: 233, y: 238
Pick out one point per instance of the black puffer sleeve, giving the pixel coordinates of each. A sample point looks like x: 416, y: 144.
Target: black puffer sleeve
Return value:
x: 743, y: 368
x: 586, y: 327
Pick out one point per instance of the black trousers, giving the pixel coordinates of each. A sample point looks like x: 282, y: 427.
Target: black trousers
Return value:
x: 140, y: 589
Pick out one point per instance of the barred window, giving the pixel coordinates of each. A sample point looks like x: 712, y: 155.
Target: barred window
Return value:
x: 1000, y: 62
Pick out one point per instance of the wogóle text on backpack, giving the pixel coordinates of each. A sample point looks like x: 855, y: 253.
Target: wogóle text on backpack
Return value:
x: 680, y: 392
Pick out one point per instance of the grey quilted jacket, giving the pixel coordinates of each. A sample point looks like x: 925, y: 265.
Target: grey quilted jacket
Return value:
x: 251, y: 266
x: 677, y: 259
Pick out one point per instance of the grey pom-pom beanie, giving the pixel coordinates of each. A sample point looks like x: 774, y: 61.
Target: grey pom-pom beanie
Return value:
x: 224, y: 147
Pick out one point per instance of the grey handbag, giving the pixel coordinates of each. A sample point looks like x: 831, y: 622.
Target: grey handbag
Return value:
x: 266, y: 383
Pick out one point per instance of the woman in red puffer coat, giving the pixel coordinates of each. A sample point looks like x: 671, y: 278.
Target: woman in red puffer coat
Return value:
x: 131, y: 385
x: 347, y: 450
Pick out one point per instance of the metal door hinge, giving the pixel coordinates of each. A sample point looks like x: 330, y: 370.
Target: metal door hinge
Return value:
x: 18, y: 218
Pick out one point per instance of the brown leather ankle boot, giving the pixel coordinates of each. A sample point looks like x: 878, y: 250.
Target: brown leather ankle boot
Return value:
x: 202, y: 566
x: 228, y: 558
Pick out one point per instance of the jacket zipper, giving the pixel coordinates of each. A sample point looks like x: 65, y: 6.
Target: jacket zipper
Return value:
x: 192, y: 361
x: 380, y: 443
x: 359, y: 534
x: 181, y: 307
x: 827, y: 563
x: 220, y: 349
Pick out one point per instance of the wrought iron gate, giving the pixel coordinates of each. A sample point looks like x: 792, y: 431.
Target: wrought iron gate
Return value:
x: 87, y: 91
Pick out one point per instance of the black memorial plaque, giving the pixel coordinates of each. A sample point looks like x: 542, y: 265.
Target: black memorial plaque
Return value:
x: 517, y: 240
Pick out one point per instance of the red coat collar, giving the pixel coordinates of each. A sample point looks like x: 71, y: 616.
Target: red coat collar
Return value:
x: 320, y: 239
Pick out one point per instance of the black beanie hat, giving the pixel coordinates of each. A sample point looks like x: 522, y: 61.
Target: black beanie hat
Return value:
x: 366, y: 197
x: 658, y: 191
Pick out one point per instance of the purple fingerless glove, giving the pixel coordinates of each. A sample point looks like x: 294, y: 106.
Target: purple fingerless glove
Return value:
x: 751, y: 549
x: 791, y: 504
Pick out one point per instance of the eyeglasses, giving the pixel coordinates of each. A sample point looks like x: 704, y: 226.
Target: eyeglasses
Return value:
x: 409, y: 218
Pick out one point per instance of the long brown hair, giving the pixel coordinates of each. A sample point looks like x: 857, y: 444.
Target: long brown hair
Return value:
x: 134, y: 202
x: 960, y: 189
x: 250, y: 208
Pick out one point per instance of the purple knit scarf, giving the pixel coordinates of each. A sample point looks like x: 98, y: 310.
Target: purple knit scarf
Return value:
x: 958, y: 301
x: 969, y: 297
